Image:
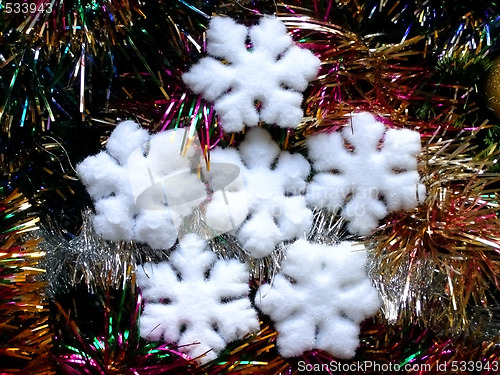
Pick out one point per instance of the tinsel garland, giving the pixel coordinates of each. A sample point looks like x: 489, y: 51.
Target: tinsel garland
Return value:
x: 68, y: 75
x: 98, y: 333
x: 26, y: 339
x: 421, y: 259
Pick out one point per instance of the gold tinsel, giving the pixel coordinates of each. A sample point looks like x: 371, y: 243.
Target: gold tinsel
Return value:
x: 24, y: 315
x: 435, y: 264
x: 358, y: 73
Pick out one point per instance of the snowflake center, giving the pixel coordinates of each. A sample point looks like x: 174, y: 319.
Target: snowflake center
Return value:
x: 195, y: 302
x: 256, y: 75
x: 266, y: 188
x: 375, y: 163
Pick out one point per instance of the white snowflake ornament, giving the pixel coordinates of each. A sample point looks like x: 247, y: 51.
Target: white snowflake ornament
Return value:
x: 375, y: 175
x: 319, y: 299
x: 273, y: 194
x: 273, y: 72
x: 196, y: 299
x: 142, y: 186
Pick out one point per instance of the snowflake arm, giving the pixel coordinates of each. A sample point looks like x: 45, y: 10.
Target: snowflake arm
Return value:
x: 282, y: 107
x: 236, y: 109
x: 319, y: 299
x: 327, y: 152
x: 102, y: 175
x: 348, y: 300
x: 259, y: 235
x: 228, y: 205
x: 363, y: 212
x: 107, y: 184
x: 339, y: 337
x: 295, y: 170
x: 267, y: 299
x: 126, y: 138
x: 258, y: 149
x: 297, y: 76
x: 196, y: 299
x: 372, y: 176
x: 213, y: 86
x: 406, y: 144
x: 270, y: 37
x: 272, y: 72
x: 298, y: 331
x: 293, y: 217
x: 114, y: 218
x: 226, y: 39
x: 364, y: 133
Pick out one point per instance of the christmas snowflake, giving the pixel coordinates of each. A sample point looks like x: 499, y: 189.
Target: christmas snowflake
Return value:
x: 274, y: 184
x: 196, y: 300
x: 319, y: 299
x: 142, y: 186
x: 272, y: 73
x: 368, y: 179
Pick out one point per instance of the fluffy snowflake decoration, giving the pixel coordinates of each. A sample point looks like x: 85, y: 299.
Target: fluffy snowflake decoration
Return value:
x: 378, y: 178
x: 319, y: 299
x: 129, y: 182
x: 274, y: 184
x: 272, y: 72
x: 195, y: 298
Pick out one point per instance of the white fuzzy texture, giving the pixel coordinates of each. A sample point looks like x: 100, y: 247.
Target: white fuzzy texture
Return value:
x: 319, y: 299
x: 142, y: 186
x: 273, y: 72
x: 274, y: 195
x: 185, y: 306
x: 379, y: 181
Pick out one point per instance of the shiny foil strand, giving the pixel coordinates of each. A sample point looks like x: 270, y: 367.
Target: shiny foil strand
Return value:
x: 110, y: 343
x: 26, y: 339
x: 88, y: 259
x: 359, y: 74
x: 435, y: 263
x: 461, y: 215
x: 255, y: 354
x: 97, y: 62
x: 449, y: 27
x: 415, y: 345
x: 381, y: 344
x: 328, y: 228
x: 226, y: 246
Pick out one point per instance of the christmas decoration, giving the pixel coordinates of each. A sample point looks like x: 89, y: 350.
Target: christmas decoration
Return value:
x: 370, y: 173
x: 119, y: 179
x: 271, y: 71
x: 454, y: 233
x: 99, y: 333
x: 26, y: 340
x: 261, y: 100
x: 195, y: 301
x: 318, y: 300
x: 274, y: 188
